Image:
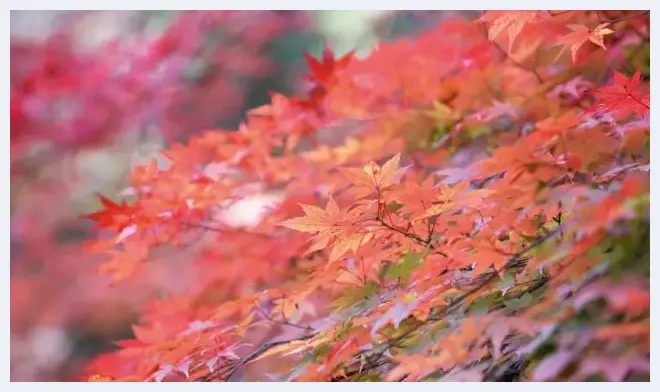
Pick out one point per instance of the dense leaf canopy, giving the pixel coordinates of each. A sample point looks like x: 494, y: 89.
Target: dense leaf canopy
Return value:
x: 471, y: 203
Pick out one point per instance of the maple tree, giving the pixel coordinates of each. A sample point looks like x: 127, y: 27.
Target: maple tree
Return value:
x: 476, y: 212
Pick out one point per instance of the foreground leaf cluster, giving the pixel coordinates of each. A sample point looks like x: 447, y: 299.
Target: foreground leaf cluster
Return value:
x: 464, y: 205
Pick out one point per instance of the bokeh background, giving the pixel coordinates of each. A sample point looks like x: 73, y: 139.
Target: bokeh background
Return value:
x: 95, y: 93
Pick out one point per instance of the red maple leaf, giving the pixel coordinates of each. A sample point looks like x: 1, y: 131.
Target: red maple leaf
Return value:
x: 580, y: 35
x: 323, y: 71
x: 623, y: 97
x: 117, y: 216
x: 322, y: 76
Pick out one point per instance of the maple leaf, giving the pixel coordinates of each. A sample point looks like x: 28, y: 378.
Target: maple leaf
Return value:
x: 415, y: 197
x: 332, y: 226
x: 511, y: 21
x: 497, y: 192
x: 374, y: 178
x: 414, y: 367
x: 623, y: 97
x: 580, y: 35
x: 316, y: 220
x: 630, y: 299
x: 396, y: 314
x: 447, y: 200
x: 613, y: 368
x: 116, y: 216
x: 553, y: 126
x: 123, y: 264
x: 526, y: 50
x: 497, y: 332
x: 347, y: 241
x: 323, y: 71
x: 552, y: 365
x: 278, y: 107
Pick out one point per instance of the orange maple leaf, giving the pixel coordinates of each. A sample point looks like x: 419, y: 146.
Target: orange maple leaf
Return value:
x: 124, y: 263
x: 332, y: 226
x: 580, y: 35
x: 511, y: 21
x: 316, y: 220
x: 416, y: 197
x: 374, y: 178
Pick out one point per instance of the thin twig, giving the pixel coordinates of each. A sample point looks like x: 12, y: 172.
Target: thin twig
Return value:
x: 263, y: 348
x: 284, y: 321
x: 627, y: 17
x: 458, y: 301
x: 204, y: 226
x: 484, y: 29
x: 444, y: 311
x: 413, y: 237
x: 559, y: 12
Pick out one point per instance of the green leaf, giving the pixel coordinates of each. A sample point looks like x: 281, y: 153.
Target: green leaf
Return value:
x: 482, y: 305
x: 403, y: 269
x: 439, y: 132
x: 639, y: 57
x: 370, y: 376
x: 320, y: 351
x: 519, y: 303
x: 354, y: 295
x: 394, y: 207
x: 472, y: 132
x: 506, y: 283
x: 343, y: 330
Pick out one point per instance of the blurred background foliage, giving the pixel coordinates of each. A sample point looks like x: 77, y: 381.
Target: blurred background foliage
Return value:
x: 95, y: 93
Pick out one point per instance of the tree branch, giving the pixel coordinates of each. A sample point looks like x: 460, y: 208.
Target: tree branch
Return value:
x: 627, y: 17
x: 262, y: 349
x: 443, y: 312
x: 284, y: 320
x: 458, y: 301
x: 420, y: 240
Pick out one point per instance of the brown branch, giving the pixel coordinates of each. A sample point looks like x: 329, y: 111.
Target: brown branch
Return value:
x: 627, y: 17
x: 600, y: 19
x: 375, y: 364
x: 458, y: 301
x: 206, y: 227
x: 418, y: 239
x: 219, y: 371
x: 262, y: 349
x: 443, y: 312
x: 560, y: 12
x: 284, y: 320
